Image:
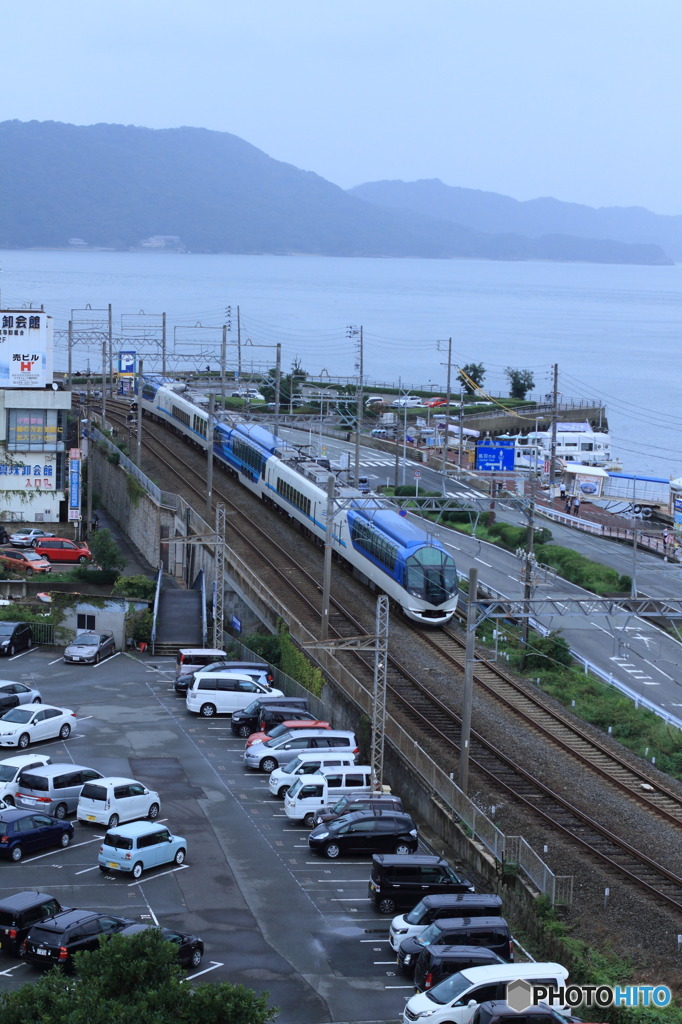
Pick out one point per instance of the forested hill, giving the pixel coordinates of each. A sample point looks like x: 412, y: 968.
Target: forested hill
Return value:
x: 490, y: 211
x: 120, y: 186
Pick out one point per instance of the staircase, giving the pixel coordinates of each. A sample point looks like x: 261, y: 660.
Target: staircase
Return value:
x: 179, y: 621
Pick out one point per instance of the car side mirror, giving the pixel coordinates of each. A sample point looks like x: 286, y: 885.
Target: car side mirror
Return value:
x: 169, y: 839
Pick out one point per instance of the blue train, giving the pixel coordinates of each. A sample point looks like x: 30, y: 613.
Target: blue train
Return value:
x: 393, y: 553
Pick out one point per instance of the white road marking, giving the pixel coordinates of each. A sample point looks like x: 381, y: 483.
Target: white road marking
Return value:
x: 482, y: 562
x: 23, y: 654
x: 55, y: 661
x: 85, y: 870
x: 10, y: 969
x: 51, y: 853
x: 172, y: 870
x: 213, y: 967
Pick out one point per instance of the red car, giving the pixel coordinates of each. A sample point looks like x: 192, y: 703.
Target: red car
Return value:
x: 431, y: 403
x: 60, y: 549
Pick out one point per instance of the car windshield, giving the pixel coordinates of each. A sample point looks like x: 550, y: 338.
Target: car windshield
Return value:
x: 7, y: 772
x: 33, y: 556
x: 118, y: 842
x: 414, y: 916
x: 293, y: 766
x: 429, y: 935
x: 22, y: 533
x: 296, y: 788
x: 7, y: 628
x: 279, y: 730
x: 449, y: 989
x: 18, y: 715
x: 251, y: 708
x: 86, y: 640
x: 338, y: 807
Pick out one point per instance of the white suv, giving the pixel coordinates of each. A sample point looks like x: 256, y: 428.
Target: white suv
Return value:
x: 409, y: 401
x: 113, y: 800
x: 10, y: 770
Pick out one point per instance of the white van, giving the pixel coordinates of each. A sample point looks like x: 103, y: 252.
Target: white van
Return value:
x: 113, y: 800
x: 308, y: 762
x: 311, y: 793
x: 224, y: 692
x: 191, y: 659
x: 457, y: 997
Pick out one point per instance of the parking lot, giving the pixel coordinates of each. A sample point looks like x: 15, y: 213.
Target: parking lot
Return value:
x: 272, y: 916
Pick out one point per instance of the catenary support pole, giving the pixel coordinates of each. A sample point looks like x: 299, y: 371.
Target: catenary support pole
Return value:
x: 209, y: 457
x: 327, y: 569
x: 468, y: 680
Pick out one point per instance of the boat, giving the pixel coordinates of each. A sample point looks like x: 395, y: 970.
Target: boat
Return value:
x: 575, y: 443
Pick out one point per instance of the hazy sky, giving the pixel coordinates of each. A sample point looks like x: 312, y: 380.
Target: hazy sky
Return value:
x: 578, y: 99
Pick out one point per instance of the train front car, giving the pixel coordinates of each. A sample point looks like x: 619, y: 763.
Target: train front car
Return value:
x: 411, y: 567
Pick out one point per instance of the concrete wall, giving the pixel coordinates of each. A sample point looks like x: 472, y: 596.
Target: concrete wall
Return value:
x: 138, y: 516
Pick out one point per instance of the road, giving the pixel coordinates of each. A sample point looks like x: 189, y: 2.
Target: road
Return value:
x: 634, y: 652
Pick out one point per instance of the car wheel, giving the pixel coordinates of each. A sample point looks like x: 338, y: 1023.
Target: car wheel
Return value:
x: 207, y: 710
x: 16, y: 853
x: 309, y: 820
x: 137, y: 870
x: 11, y: 649
x: 65, y: 839
x: 9, y: 800
x: 282, y: 791
x: 153, y: 812
x: 179, y: 856
x: 113, y: 821
x: 97, y: 658
x: 29, y: 572
x: 60, y: 811
x: 401, y: 849
x: 82, y: 559
x: 29, y: 643
x: 65, y: 731
x: 386, y: 906
x: 196, y: 957
x: 244, y: 731
x: 34, y: 542
x: 268, y: 764
x: 332, y: 851
x: 103, y: 869
x: 37, y: 700
x: 24, y: 741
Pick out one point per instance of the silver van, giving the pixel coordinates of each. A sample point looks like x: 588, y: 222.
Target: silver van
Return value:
x: 312, y: 794
x: 191, y: 658
x: 54, y: 788
x: 272, y: 754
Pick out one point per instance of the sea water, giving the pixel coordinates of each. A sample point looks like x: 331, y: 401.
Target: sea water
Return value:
x: 612, y: 330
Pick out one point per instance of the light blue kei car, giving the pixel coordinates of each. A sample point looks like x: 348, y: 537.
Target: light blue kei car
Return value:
x: 138, y: 846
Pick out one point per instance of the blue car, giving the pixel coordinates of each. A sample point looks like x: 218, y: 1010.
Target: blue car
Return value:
x: 26, y: 831
x: 138, y: 846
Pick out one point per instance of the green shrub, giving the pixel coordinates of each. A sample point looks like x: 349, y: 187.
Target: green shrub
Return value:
x: 137, y: 588
x: 294, y: 662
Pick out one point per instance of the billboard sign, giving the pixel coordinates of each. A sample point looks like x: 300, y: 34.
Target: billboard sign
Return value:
x: 25, y: 348
x: 126, y: 364
x: 74, y: 485
x: 495, y: 456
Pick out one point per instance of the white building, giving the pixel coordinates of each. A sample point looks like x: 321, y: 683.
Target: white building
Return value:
x: 33, y: 462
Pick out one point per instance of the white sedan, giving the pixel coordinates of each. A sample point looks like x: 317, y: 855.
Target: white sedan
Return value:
x: 26, y: 694
x: 33, y: 723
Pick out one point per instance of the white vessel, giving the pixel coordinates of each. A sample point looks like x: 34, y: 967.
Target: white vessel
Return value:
x: 575, y: 443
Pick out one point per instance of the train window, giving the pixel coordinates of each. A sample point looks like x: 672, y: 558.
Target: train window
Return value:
x: 385, y: 551
x: 431, y: 574
x: 294, y: 497
x: 180, y: 414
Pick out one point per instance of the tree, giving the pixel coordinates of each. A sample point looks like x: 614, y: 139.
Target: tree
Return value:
x: 105, y: 550
x: 131, y: 978
x: 288, y: 382
x: 475, y: 372
x: 520, y: 382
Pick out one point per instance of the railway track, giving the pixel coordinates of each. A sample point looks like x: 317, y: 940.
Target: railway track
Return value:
x: 438, y: 725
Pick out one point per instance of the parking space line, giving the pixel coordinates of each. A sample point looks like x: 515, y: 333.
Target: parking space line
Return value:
x: 23, y: 654
x: 110, y: 658
x: 373, y: 940
x: 4, y: 974
x: 55, y: 661
x: 85, y: 870
x: 214, y: 965
x: 172, y: 870
x: 51, y: 853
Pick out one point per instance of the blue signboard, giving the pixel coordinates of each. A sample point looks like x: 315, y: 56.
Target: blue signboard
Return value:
x: 236, y: 624
x: 126, y: 363
x: 495, y: 456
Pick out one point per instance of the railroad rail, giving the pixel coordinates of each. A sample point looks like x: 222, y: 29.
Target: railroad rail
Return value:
x: 440, y: 725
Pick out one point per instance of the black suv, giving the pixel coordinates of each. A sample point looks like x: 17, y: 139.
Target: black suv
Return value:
x: 246, y: 721
x: 55, y: 940
x: 438, y: 962
x: 398, y: 883
x: 365, y: 832
x: 349, y: 803
x: 19, y: 912
x: 489, y: 932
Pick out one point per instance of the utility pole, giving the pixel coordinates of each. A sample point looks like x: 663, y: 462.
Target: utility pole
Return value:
x: 138, y: 432
x: 528, y: 565
x: 633, y: 582
x: 104, y: 383
x: 447, y: 417
x: 209, y: 455
x: 239, y: 345
x: 352, y: 332
x: 379, y: 705
x: 461, y: 426
x: 220, y: 542
x: 111, y: 349
x: 69, y: 365
x: 223, y: 355
x: 163, y: 344
x: 327, y: 570
x: 278, y: 381
x: 468, y: 696
x: 88, y: 500
x: 555, y: 411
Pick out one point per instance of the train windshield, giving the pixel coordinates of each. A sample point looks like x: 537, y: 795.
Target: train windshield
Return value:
x: 431, y: 575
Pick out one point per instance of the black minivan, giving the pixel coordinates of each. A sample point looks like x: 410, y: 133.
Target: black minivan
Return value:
x: 399, y: 882
x: 490, y: 932
x: 19, y: 912
x: 247, y: 720
x: 437, y: 962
